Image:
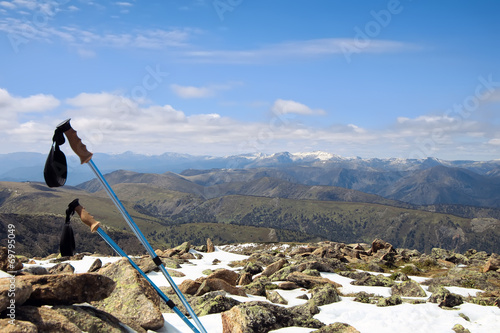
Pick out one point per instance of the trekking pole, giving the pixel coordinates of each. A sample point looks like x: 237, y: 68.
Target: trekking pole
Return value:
x: 95, y: 227
x: 86, y: 157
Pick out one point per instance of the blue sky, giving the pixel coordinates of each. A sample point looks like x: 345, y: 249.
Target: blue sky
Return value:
x: 407, y: 79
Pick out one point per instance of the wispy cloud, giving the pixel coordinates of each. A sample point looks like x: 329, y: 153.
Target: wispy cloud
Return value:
x: 291, y: 107
x: 159, y: 39
x: 124, y: 4
x: 296, y: 50
x: 179, y: 43
x: 7, y: 4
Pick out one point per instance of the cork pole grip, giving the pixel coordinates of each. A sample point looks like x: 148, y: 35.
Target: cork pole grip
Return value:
x: 87, y: 218
x: 77, y: 145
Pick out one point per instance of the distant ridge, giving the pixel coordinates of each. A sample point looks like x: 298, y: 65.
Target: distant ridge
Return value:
x: 415, y: 181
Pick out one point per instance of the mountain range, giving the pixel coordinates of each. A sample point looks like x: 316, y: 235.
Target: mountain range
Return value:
x: 281, y: 197
x: 428, y: 181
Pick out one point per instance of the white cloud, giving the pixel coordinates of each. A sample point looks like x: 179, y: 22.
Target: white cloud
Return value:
x: 291, y: 107
x: 426, y: 119
x: 201, y: 92
x: 7, y: 4
x: 191, y: 91
x: 112, y: 123
x: 86, y: 100
x: 35, y: 103
x: 494, y: 142
x: 444, y: 124
x: 124, y: 4
x: 20, y: 120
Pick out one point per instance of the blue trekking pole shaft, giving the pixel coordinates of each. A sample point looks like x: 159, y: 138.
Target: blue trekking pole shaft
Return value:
x: 86, y: 157
x: 145, y: 243
x: 94, y: 227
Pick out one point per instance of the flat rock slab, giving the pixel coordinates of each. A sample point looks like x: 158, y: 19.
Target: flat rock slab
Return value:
x: 66, y: 289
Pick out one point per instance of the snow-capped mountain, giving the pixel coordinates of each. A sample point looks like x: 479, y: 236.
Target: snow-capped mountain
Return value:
x: 416, y: 181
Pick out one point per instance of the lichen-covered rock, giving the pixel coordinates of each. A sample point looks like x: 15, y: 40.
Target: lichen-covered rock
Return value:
x: 329, y: 265
x: 183, y: 248
x: 302, y: 250
x: 61, y: 268
x: 213, y: 302
x: 275, y: 297
x: 282, y: 274
x: 146, y: 264
x: 227, y: 275
x: 210, y: 246
x: 22, y: 291
x: 257, y: 287
x: 262, y: 317
x: 408, y: 288
x: 9, y: 264
x: 438, y: 294
x: 244, y: 279
x: 399, y: 277
x: 312, y: 272
x: 307, y: 281
x: 252, y: 268
x: 134, y: 301
x: 96, y: 265
x: 263, y: 259
x: 46, y: 320
x: 355, y: 275
x: 65, y: 289
x: 450, y: 256
x: 325, y: 294
x: 90, y: 319
x: 288, y: 285
x: 337, y: 328
x: 35, y: 270
x: 19, y: 326
x: 460, y: 329
x: 274, y: 267
x: 374, y: 280
x: 445, y: 298
x: 303, y: 315
x: 390, y: 301
x: 492, y: 264
x: 189, y: 286
x: 378, y: 245
x: 364, y: 297
x: 253, y: 317
x: 412, y: 269
x: 215, y: 284
x: 466, y: 278
x: 425, y: 262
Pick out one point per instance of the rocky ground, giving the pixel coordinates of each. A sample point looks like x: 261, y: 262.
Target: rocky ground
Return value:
x: 113, y: 297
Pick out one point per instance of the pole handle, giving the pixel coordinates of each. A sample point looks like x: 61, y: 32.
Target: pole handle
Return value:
x: 87, y: 218
x: 75, y: 142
